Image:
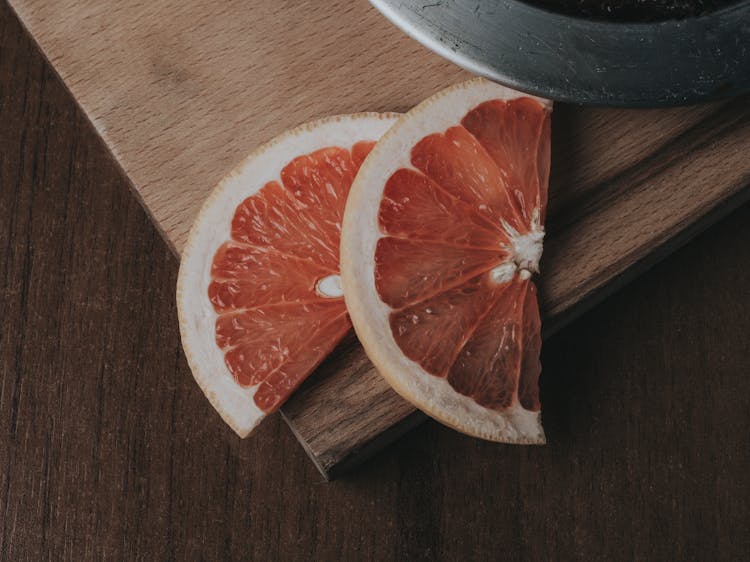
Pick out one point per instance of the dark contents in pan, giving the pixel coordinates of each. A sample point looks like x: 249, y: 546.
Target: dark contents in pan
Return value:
x: 634, y: 10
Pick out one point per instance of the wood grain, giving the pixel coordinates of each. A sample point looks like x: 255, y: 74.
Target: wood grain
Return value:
x: 181, y: 91
x: 108, y: 450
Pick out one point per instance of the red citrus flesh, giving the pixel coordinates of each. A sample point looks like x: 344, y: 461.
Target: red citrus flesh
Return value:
x: 273, y: 326
x: 447, y: 224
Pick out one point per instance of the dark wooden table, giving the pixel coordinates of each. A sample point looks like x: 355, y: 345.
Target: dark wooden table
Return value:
x: 108, y: 449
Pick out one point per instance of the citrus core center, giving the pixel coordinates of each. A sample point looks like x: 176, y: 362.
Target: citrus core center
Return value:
x: 524, y: 252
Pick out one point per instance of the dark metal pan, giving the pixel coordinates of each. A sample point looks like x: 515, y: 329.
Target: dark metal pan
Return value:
x: 585, y: 60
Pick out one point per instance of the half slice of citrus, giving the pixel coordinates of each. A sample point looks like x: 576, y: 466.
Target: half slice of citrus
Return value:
x: 259, y: 294
x: 442, y: 232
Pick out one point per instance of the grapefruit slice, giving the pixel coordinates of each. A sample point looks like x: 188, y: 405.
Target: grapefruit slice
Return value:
x: 442, y: 232
x: 259, y: 294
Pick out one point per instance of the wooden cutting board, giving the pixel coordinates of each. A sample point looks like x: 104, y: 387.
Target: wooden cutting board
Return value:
x: 181, y: 91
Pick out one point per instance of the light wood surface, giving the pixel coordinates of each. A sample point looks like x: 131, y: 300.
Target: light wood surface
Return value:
x: 181, y: 91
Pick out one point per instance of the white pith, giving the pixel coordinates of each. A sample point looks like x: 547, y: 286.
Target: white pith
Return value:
x: 527, y: 250
x: 524, y: 252
x: 212, y: 228
x: 370, y: 315
x: 503, y: 273
x: 330, y: 287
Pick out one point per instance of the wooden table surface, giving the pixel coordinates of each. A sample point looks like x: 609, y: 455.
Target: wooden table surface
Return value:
x: 109, y: 450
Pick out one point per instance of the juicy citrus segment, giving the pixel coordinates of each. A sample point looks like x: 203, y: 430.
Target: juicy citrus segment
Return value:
x: 260, y: 340
x: 317, y: 185
x: 433, y: 331
x: 515, y: 133
x: 245, y: 276
x: 279, y: 384
x: 272, y: 220
x: 408, y: 271
x: 300, y: 216
x: 416, y: 208
x: 489, y: 362
x: 531, y: 345
x: 481, y: 336
x: 457, y: 162
x: 442, y: 233
x: 259, y: 290
x: 286, y: 240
